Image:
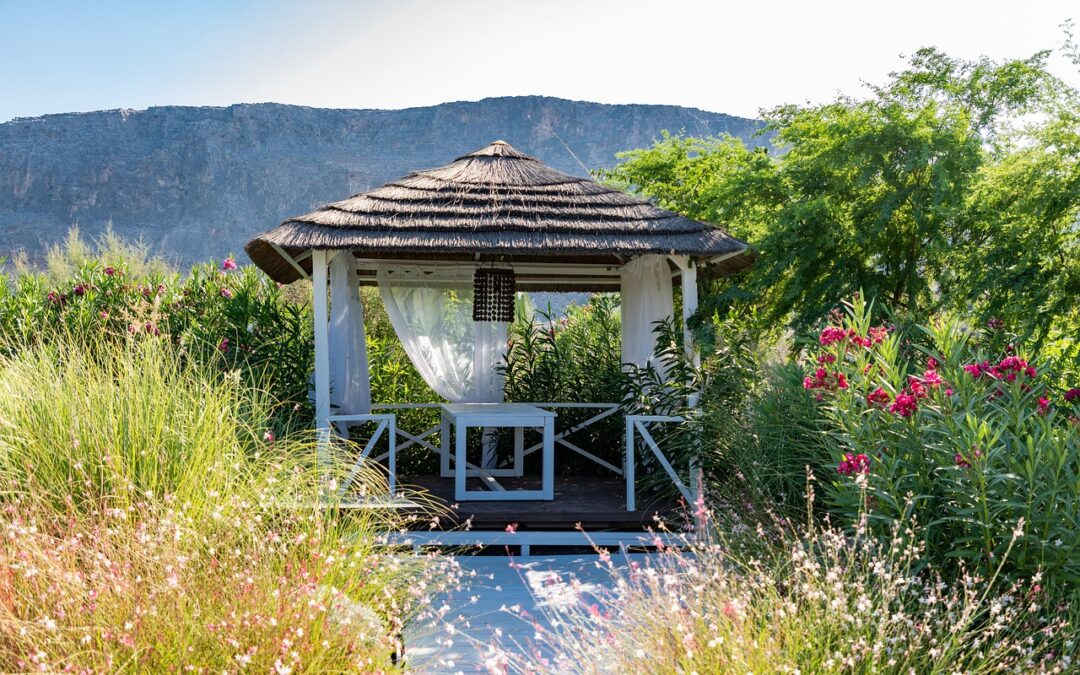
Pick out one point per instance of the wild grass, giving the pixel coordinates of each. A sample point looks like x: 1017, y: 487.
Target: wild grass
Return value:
x: 152, y: 522
x: 825, y: 600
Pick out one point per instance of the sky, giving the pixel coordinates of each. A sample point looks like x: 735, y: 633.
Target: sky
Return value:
x: 731, y: 57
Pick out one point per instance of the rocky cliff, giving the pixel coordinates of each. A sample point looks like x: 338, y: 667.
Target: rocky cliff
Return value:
x: 196, y: 182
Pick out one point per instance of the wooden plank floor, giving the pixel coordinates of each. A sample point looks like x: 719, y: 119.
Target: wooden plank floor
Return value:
x: 594, y: 502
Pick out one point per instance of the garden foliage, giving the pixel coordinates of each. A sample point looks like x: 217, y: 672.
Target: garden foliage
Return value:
x: 977, y: 443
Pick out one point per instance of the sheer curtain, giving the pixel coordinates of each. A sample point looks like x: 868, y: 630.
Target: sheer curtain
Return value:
x: 431, y: 311
x: 350, y: 388
x: 645, y: 284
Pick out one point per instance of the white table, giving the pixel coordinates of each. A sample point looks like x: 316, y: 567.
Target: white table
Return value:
x: 519, y: 416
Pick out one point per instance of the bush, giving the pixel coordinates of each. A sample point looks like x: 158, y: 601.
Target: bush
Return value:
x: 220, y: 315
x: 828, y: 601
x: 153, y: 522
x: 975, y: 444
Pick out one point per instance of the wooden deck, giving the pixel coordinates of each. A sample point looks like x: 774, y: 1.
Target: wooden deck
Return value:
x: 593, y: 502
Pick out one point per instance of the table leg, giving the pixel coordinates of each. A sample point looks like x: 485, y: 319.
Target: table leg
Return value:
x: 549, y: 459
x: 461, y: 435
x: 444, y: 442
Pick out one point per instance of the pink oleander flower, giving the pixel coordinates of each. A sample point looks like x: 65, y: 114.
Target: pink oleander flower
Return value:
x: 831, y: 334
x: 905, y: 405
x: 1072, y: 395
x: 110, y: 271
x: 1044, y: 405
x: 860, y: 340
x: 226, y: 293
x: 915, y: 386
x: 878, y: 334
x: 852, y: 464
x: 932, y: 363
x: 54, y: 297
x: 268, y: 436
x: 104, y: 314
x: 973, y: 369
x: 223, y: 346
x: 79, y: 289
x: 932, y: 379
x: 160, y: 289
x: 961, y: 462
x: 878, y: 397
x: 151, y: 328
x: 229, y: 264
x: 995, y: 323
x: 826, y: 358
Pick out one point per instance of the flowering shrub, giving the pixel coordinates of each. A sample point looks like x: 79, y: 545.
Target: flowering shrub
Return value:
x: 153, y: 523
x: 829, y: 601
x: 971, y: 442
x: 236, y: 319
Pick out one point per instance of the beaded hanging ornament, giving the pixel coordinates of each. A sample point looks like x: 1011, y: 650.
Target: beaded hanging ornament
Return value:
x: 493, y: 295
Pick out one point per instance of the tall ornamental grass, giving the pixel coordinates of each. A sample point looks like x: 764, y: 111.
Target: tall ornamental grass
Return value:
x: 827, y: 600
x: 153, y: 523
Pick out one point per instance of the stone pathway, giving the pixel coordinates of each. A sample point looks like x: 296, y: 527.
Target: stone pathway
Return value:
x: 483, y: 610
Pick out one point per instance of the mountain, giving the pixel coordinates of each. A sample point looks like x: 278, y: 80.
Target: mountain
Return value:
x: 197, y: 182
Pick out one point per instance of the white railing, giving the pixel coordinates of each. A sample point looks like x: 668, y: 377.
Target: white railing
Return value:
x: 421, y: 439
x: 636, y: 425
x: 386, y: 422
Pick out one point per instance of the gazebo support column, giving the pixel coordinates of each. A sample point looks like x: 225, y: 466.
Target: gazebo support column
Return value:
x: 688, y: 276
x: 322, y: 357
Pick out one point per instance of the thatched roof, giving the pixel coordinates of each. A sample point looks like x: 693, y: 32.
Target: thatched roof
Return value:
x: 495, y: 204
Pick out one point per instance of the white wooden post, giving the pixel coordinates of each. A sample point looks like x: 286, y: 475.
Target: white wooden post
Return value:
x: 322, y: 358
x: 628, y: 466
x: 689, y: 306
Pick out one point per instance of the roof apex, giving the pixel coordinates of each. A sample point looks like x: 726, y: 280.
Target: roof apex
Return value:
x: 498, y: 149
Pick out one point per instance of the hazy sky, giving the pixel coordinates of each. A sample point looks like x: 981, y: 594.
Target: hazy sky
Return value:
x: 733, y: 57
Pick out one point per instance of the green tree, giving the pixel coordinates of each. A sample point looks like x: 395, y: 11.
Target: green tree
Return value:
x: 926, y: 193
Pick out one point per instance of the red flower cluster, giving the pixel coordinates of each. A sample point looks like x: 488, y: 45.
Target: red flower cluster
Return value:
x: 853, y: 463
x: 878, y: 397
x: 229, y: 264
x: 822, y: 379
x: 1072, y: 395
x: 1008, y: 369
x: 905, y: 405
x: 832, y: 334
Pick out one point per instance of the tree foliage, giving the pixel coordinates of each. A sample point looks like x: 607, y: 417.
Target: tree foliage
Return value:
x: 956, y: 184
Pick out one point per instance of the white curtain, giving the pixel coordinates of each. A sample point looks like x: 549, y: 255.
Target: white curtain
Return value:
x: 431, y: 311
x: 350, y: 387
x: 645, y: 285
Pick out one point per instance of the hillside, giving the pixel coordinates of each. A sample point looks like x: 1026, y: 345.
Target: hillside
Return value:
x: 196, y: 182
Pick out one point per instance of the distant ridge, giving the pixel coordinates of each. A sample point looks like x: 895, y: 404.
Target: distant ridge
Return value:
x: 197, y: 182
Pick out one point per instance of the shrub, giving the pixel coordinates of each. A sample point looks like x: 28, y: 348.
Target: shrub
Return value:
x: 926, y: 421
x: 829, y: 601
x: 153, y: 522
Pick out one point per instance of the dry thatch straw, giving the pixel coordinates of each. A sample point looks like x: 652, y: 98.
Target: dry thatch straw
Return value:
x: 501, y: 205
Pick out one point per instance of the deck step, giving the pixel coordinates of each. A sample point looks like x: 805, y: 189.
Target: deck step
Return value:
x: 529, y: 538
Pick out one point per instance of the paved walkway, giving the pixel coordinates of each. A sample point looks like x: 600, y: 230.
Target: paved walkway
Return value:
x: 499, y: 600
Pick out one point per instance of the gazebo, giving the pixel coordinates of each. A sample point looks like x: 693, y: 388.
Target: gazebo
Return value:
x: 447, y: 248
